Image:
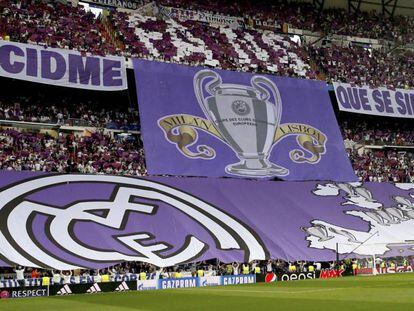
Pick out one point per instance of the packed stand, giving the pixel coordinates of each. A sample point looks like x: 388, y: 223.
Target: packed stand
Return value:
x: 357, y: 65
x: 379, y: 148
x: 383, y: 165
x: 195, y: 43
x: 62, y: 112
x: 31, y: 102
x: 245, y: 49
x: 377, y: 131
x: 302, y: 15
x: 96, y: 153
x: 53, y: 24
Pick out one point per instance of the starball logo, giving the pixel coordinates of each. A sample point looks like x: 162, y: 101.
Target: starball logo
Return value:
x: 23, y: 245
x: 247, y: 119
x: 4, y: 294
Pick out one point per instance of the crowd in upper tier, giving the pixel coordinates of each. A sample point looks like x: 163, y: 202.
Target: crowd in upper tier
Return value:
x: 356, y: 65
x: 246, y: 49
x: 53, y: 24
x: 194, y: 43
x: 303, y: 15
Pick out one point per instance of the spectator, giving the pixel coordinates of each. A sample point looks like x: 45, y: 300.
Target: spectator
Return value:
x: 19, y: 270
x: 35, y: 273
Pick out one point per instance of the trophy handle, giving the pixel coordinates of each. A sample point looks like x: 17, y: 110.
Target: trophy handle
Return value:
x: 256, y: 82
x: 210, y: 87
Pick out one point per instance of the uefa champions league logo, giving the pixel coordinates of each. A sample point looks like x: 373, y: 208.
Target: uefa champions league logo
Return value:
x: 247, y: 119
x: 21, y: 245
x: 240, y: 107
x: 4, y: 294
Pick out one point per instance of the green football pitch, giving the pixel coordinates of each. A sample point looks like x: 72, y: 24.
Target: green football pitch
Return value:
x: 387, y: 292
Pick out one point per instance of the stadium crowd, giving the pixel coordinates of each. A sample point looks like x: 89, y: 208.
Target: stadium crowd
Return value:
x: 303, y: 15
x: 379, y: 148
x: 357, y: 65
x: 53, y: 24
x: 145, y: 271
x: 190, y: 42
x: 148, y: 271
x: 41, y: 103
x: 96, y: 153
x: 195, y: 43
x: 369, y: 130
x: 383, y: 165
x: 247, y: 49
x: 65, y: 111
x: 100, y: 153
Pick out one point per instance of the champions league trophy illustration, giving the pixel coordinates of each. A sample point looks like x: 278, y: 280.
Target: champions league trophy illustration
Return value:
x: 246, y: 118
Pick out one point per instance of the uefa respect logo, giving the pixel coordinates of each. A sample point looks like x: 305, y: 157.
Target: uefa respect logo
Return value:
x: 23, y: 245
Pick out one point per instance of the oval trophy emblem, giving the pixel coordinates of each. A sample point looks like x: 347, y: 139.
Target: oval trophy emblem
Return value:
x: 240, y: 107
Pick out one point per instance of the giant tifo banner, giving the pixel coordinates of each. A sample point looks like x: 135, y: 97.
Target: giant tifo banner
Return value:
x: 378, y: 101
x: 202, y: 122
x: 61, y: 67
x: 94, y: 221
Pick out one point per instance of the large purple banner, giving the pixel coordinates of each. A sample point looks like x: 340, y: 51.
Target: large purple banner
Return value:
x: 68, y: 221
x: 61, y: 67
x: 202, y: 122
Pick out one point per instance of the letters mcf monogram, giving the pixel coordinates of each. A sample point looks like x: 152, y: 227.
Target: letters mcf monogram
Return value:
x: 247, y: 119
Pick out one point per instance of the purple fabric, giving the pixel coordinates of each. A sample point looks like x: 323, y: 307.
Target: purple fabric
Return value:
x: 61, y: 67
x: 288, y: 220
x: 167, y: 89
